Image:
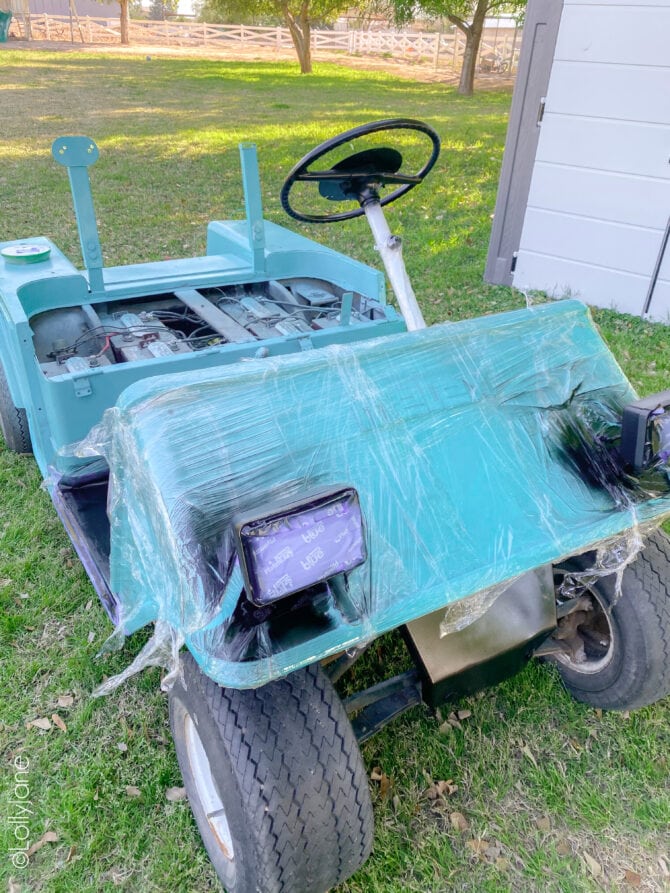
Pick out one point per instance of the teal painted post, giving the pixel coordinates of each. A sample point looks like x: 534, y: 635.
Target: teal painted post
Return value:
x: 76, y: 153
x: 254, y: 205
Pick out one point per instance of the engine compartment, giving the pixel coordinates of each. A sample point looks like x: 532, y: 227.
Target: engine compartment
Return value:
x: 88, y: 336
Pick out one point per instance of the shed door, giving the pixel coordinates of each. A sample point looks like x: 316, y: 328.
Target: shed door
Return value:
x: 537, y: 55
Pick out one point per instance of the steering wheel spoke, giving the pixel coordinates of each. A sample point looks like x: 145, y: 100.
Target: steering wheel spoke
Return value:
x: 356, y: 176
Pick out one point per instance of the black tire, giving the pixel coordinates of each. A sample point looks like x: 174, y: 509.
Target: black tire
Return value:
x: 286, y: 770
x: 13, y: 421
x: 633, y: 667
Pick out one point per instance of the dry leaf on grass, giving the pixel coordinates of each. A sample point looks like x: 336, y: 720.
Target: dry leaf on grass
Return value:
x: 441, y: 789
x: 57, y: 721
x: 49, y: 837
x: 132, y: 791
x: 527, y: 752
x: 385, y: 782
x: 42, y: 723
x: 563, y: 848
x: 458, y: 821
x: 464, y: 714
x: 543, y: 824
x: 13, y: 886
x: 70, y: 854
x: 175, y: 794
x: 91, y: 637
x: 632, y: 878
x: 65, y: 701
x: 594, y: 867
x: 122, y: 746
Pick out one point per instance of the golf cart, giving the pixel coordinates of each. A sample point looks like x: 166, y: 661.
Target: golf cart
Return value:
x: 258, y: 454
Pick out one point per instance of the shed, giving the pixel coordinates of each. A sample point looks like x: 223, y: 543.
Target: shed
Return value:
x: 583, y: 205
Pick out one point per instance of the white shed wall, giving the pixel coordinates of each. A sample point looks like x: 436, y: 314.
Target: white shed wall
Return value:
x: 600, y: 193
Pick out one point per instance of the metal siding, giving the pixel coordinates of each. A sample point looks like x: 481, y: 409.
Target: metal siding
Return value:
x: 600, y: 192
x: 83, y: 8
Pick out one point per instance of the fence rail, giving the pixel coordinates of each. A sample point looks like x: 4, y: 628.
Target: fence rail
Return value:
x: 498, y: 52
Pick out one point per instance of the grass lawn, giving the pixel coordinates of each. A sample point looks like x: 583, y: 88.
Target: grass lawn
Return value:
x: 553, y: 796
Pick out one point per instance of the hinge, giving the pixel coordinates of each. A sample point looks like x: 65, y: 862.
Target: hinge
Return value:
x: 540, y: 111
x: 513, y: 264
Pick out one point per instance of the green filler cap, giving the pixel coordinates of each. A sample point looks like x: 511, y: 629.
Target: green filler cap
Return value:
x: 25, y: 254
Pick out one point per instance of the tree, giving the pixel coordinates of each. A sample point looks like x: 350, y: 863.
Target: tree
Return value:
x: 124, y: 20
x: 468, y: 16
x: 299, y: 16
x: 159, y: 10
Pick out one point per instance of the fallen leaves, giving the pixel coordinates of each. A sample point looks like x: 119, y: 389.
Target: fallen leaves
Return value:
x: 58, y: 722
x: 594, y: 867
x: 528, y: 753
x: 440, y: 789
x: 132, y: 791
x: 459, y: 822
x: 454, y: 721
x: 48, y: 837
x: 632, y: 878
x: 43, y: 723
x: 175, y: 794
x: 385, y: 782
x: 65, y: 701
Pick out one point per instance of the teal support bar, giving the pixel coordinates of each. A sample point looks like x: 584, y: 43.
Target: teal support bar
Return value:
x: 253, y: 204
x: 345, y: 310
x: 77, y: 153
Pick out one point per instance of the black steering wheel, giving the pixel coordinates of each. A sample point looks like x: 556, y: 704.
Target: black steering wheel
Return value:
x: 359, y: 176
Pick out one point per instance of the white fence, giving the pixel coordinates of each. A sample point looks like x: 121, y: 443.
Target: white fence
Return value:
x: 498, y: 52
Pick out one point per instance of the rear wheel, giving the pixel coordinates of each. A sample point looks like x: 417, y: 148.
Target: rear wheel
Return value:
x: 616, y: 650
x: 275, y: 780
x: 13, y: 421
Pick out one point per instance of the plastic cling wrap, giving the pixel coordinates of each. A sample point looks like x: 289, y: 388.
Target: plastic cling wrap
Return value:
x: 465, y: 443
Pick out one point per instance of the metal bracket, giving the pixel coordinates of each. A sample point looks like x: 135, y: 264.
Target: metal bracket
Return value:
x: 82, y: 387
x: 77, y: 153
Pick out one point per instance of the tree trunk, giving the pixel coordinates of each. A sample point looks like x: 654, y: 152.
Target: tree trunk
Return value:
x: 125, y: 21
x: 300, y: 30
x: 473, y: 37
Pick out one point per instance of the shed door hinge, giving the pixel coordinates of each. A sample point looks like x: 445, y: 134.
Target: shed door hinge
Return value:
x: 540, y: 111
x: 513, y: 264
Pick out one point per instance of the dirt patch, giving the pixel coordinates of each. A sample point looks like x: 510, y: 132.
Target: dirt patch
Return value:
x: 407, y: 69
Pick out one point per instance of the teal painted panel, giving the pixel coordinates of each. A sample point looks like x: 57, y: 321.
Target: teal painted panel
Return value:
x: 453, y: 436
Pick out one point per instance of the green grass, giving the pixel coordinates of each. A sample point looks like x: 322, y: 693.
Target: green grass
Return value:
x: 546, y: 782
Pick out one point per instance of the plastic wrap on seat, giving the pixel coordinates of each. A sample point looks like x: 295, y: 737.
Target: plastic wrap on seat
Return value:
x: 466, y: 444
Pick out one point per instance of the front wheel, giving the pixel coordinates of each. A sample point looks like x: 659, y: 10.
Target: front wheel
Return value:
x: 13, y: 421
x: 275, y: 780
x: 616, y: 650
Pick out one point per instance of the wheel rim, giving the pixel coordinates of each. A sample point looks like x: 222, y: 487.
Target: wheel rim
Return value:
x: 205, y: 789
x: 587, y: 635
